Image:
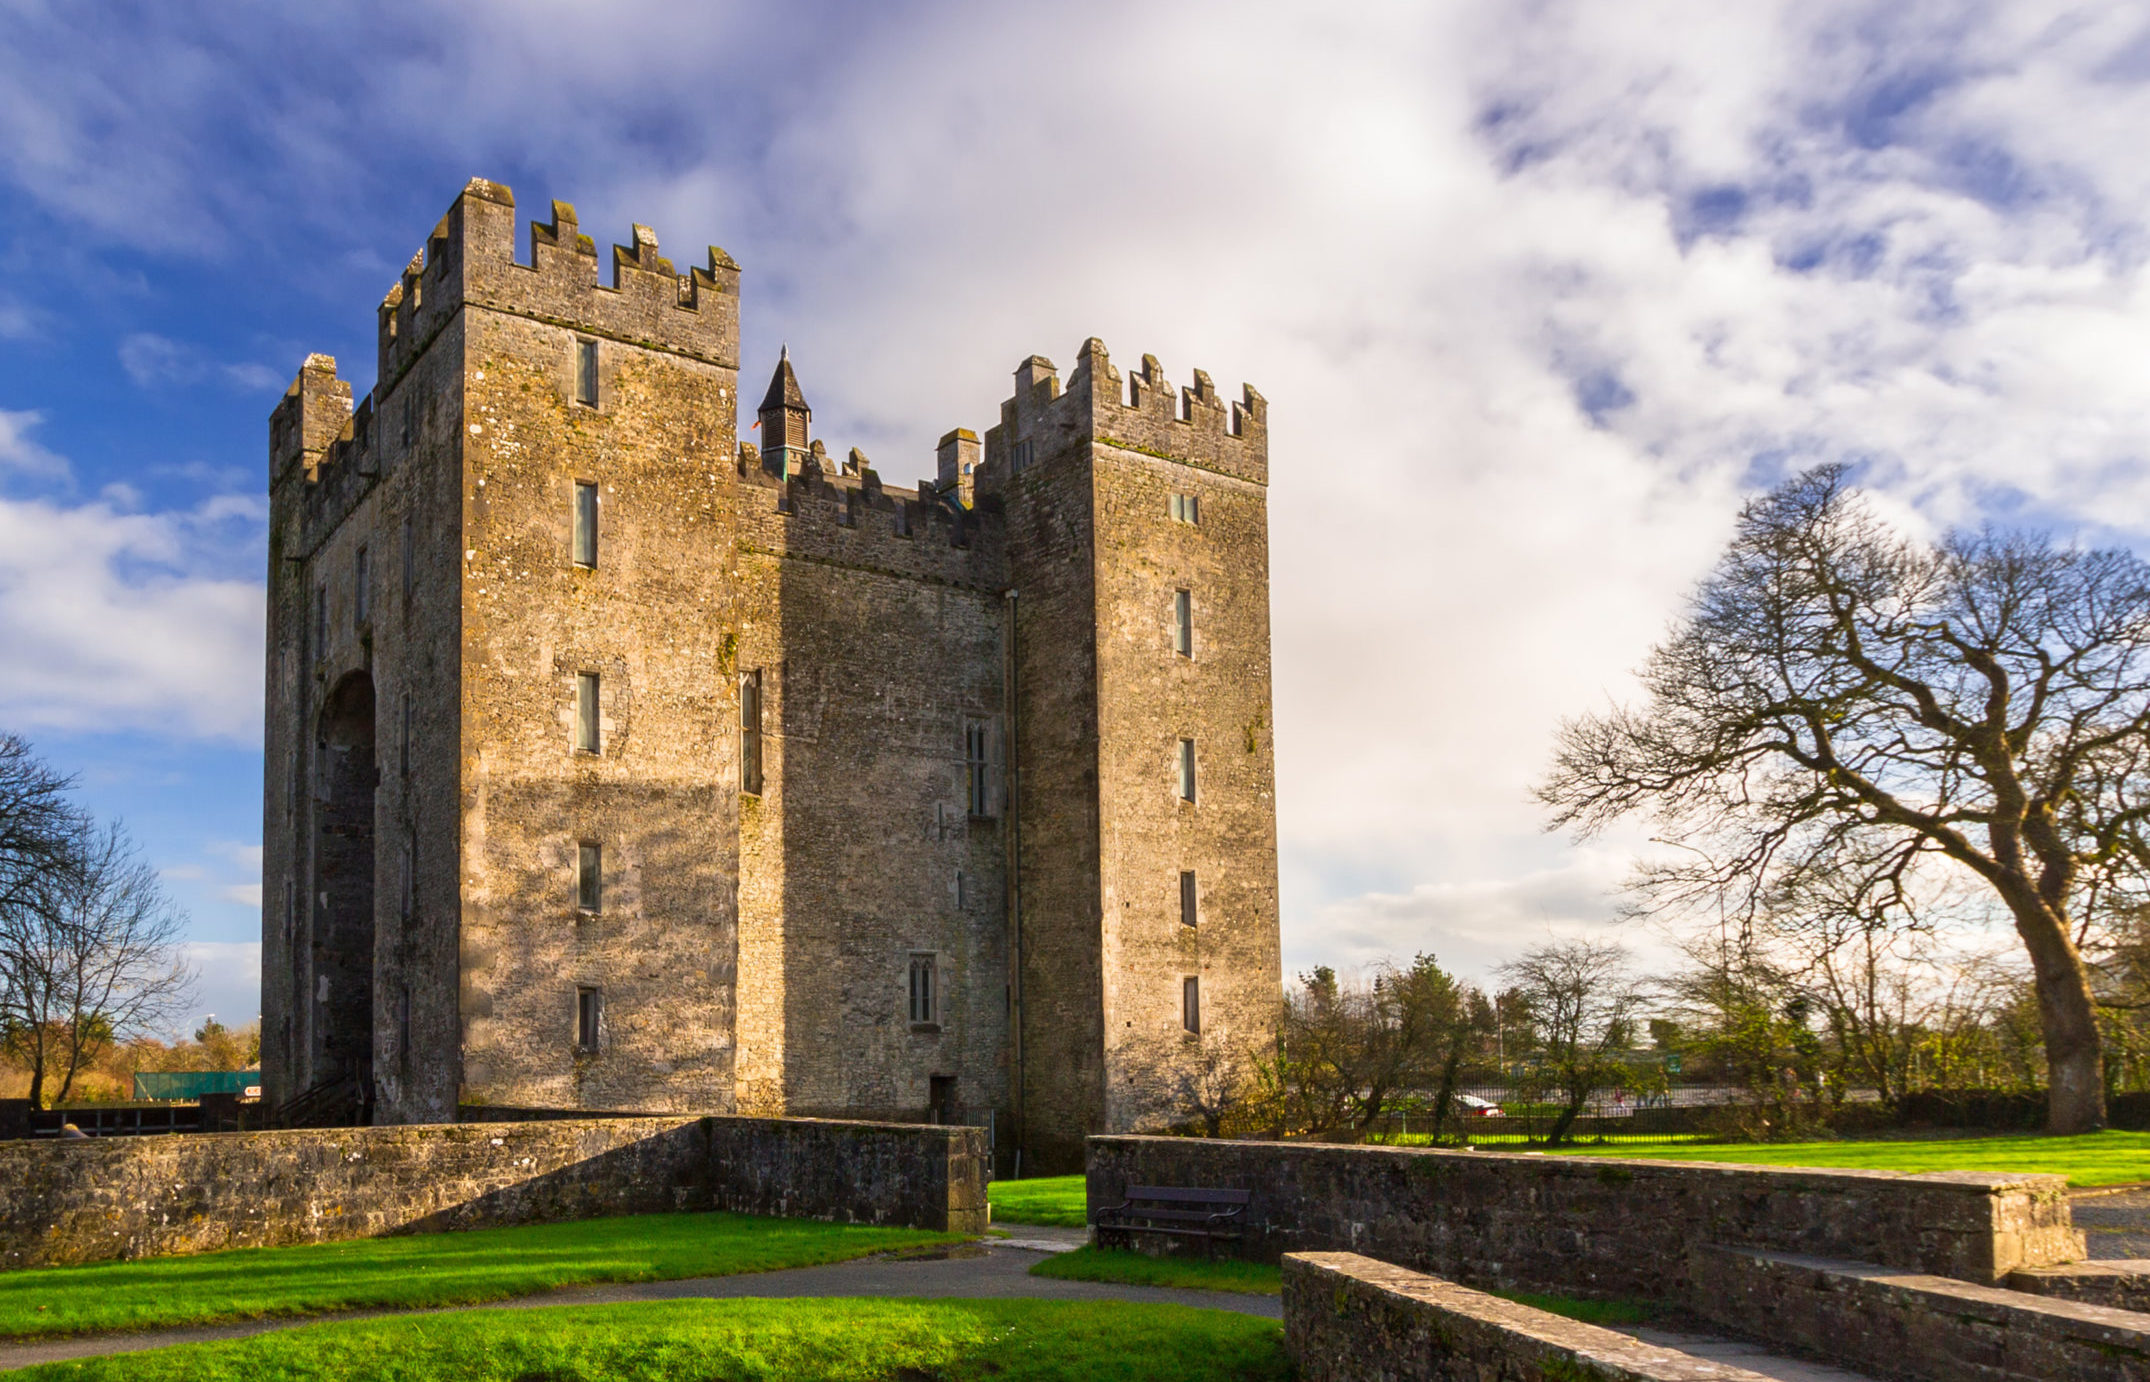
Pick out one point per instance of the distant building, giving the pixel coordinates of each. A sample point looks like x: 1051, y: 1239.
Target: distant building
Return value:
x: 615, y: 764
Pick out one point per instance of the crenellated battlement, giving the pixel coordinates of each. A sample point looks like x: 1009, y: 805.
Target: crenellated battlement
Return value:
x: 1141, y: 412
x: 843, y: 512
x: 470, y: 259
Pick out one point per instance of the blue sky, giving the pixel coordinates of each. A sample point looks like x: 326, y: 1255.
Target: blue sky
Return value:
x: 1537, y: 292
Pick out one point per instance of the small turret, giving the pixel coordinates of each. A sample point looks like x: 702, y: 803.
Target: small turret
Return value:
x: 959, y: 464
x: 784, y: 418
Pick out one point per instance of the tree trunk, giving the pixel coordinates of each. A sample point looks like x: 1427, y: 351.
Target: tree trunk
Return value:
x: 1566, y: 1120
x: 2075, y: 1066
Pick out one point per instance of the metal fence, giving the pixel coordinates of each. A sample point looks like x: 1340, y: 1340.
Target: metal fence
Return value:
x: 1497, y: 1115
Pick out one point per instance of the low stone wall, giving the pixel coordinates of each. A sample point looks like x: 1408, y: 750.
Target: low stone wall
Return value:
x: 102, y: 1198
x: 1348, y: 1317
x: 1596, y: 1226
x: 1916, y: 1326
x: 2122, y: 1284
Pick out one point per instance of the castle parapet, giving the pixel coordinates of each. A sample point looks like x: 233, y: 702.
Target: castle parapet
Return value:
x: 312, y: 415
x: 470, y: 258
x: 1140, y: 413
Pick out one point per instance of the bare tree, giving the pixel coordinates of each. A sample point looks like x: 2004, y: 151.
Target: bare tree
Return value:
x: 1350, y: 1048
x: 1580, y: 997
x: 1838, y: 697
x: 91, y: 950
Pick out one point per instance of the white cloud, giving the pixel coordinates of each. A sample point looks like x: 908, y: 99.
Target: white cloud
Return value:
x: 154, y: 361
x: 21, y: 455
x: 116, y: 619
x: 227, y: 983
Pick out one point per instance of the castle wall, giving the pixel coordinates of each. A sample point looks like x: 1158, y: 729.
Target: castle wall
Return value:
x: 877, y: 639
x: 657, y: 798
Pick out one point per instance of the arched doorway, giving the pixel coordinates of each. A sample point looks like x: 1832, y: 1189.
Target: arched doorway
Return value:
x: 343, y: 890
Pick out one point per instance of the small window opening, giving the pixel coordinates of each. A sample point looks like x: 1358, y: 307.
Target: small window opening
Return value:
x: 1191, y: 1004
x: 320, y: 621
x: 1190, y: 902
x: 586, y: 373
x: 589, y: 1019
x: 1021, y: 456
x: 1186, y: 770
x: 940, y: 1098
x: 586, y: 738
x: 925, y: 1005
x: 361, y: 607
x: 1186, y: 508
x: 977, y: 768
x: 1183, y: 622
x: 750, y: 732
x: 962, y: 891
x: 403, y: 738
x: 585, y: 523
x: 590, y: 876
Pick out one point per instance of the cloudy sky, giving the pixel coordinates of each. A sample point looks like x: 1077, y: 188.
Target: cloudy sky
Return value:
x: 1537, y: 292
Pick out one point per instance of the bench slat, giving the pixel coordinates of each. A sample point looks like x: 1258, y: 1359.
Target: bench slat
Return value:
x: 1177, y: 1194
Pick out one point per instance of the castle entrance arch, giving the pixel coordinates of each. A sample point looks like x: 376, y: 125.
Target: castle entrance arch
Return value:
x: 342, y: 958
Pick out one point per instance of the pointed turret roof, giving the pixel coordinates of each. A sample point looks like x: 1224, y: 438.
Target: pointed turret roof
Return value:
x: 784, y: 387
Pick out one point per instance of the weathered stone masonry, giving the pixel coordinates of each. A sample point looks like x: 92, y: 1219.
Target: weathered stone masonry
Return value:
x: 970, y: 700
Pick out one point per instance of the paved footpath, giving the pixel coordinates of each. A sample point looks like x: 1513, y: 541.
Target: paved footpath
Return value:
x: 1000, y: 1271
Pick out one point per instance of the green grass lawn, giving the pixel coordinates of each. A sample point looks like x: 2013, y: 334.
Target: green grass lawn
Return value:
x: 424, y: 1269
x: 1141, y: 1269
x: 1054, y: 1200
x: 2096, y: 1158
x: 736, y: 1341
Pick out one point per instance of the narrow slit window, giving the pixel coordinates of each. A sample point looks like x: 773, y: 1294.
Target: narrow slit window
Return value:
x: 1186, y: 770
x: 1190, y: 902
x: 750, y: 732
x: 590, y: 876
x: 585, y: 523
x: 403, y: 738
x: 320, y: 621
x: 1191, y: 1004
x: 586, y: 712
x: 925, y: 1007
x: 1183, y: 622
x: 586, y: 373
x: 361, y: 607
x: 977, y: 768
x: 589, y: 1019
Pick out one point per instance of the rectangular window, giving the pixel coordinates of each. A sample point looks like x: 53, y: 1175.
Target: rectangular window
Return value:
x: 962, y: 891
x: 409, y: 901
x: 585, y: 524
x: 590, y: 876
x: 1021, y: 455
x: 403, y: 739
x: 320, y: 621
x: 407, y: 557
x: 1190, y: 901
x: 1186, y: 508
x: 977, y: 768
x: 361, y: 607
x: 925, y: 1005
x: 750, y: 732
x: 1183, y: 622
x: 586, y: 372
x: 589, y: 1019
x: 586, y: 712
x: 1191, y: 1004
x: 1186, y: 770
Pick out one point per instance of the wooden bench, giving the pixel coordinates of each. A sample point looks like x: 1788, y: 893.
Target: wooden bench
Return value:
x: 1213, y: 1216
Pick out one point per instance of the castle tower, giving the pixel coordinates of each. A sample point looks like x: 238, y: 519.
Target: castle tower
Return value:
x: 1137, y: 535
x: 611, y: 765
x: 497, y: 811
x: 785, y: 419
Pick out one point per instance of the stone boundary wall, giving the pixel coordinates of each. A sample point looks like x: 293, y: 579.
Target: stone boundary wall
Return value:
x: 103, y: 1198
x: 1910, y: 1325
x: 1596, y: 1226
x: 1348, y: 1317
x: 2123, y: 1284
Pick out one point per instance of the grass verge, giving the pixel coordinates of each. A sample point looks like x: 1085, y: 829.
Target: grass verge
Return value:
x: 1609, y: 1313
x: 424, y: 1269
x: 2091, y: 1158
x: 1140, y: 1269
x: 1060, y: 1201
x: 736, y: 1341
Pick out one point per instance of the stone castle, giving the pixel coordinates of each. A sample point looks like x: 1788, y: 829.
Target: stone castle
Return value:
x: 613, y: 763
